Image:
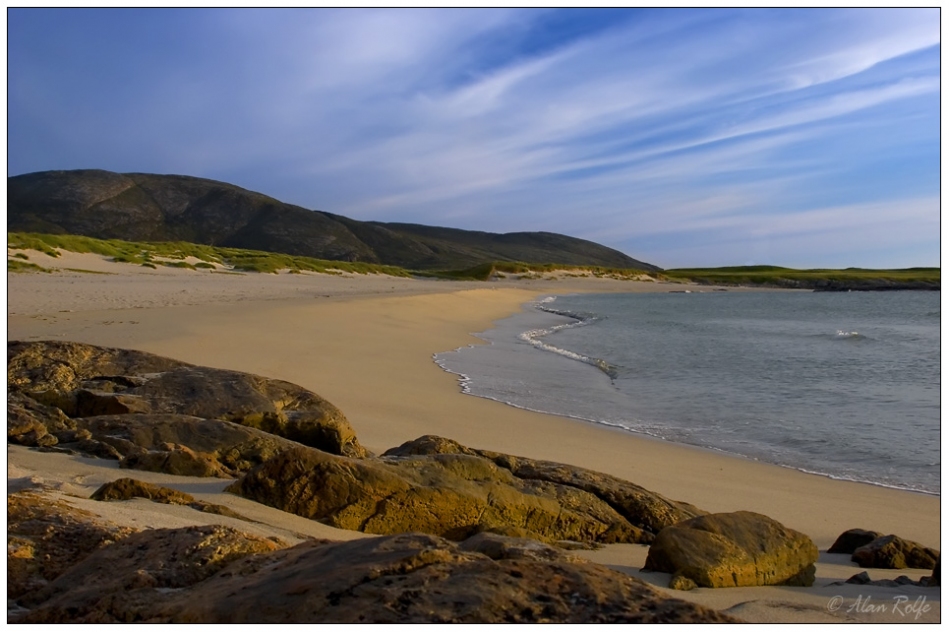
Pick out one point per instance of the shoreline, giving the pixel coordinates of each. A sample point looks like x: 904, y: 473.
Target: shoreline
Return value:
x: 392, y: 391
x: 537, y: 304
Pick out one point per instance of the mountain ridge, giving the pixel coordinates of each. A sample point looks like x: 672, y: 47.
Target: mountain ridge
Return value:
x: 153, y: 207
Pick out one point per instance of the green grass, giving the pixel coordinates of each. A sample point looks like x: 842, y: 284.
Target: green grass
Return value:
x: 88, y: 271
x: 15, y: 265
x: 145, y: 254
x: 502, y: 269
x: 178, y: 264
x: 789, y: 277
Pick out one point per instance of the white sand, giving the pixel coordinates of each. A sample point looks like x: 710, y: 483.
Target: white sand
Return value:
x: 366, y: 344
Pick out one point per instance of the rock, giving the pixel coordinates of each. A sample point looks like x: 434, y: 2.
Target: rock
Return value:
x: 681, y: 582
x: 498, y: 547
x: 204, y: 576
x: 863, y: 579
x: 235, y: 448
x: 72, y: 436
x: 734, y: 549
x: 647, y: 511
x: 175, y: 459
x: 130, y: 580
x: 453, y: 495
x: 934, y: 579
x: 45, y: 537
x: 31, y: 423
x: 84, y: 381
x: 849, y: 541
x: 207, y: 447
x: 91, y: 403
x: 859, y: 578
x: 98, y: 449
x: 890, y: 551
x: 219, y: 510
x: 61, y: 367
x: 128, y: 488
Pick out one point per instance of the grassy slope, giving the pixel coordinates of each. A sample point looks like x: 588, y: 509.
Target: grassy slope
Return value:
x: 150, y: 255
x: 856, y: 278
x: 244, y: 260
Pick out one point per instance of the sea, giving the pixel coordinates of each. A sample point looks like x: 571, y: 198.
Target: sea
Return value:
x: 840, y: 384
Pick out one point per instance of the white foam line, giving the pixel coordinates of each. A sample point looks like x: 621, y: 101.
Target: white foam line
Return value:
x: 533, y: 336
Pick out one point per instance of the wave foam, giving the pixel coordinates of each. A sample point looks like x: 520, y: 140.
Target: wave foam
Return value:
x: 533, y: 336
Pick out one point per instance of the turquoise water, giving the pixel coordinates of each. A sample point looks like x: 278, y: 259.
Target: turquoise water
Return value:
x: 840, y: 384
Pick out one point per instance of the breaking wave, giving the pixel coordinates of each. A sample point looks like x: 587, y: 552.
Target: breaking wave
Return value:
x: 534, y: 336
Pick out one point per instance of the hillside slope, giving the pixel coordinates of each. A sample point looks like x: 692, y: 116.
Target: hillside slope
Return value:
x: 148, y: 207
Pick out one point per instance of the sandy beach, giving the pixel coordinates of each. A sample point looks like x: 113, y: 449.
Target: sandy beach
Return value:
x: 365, y: 343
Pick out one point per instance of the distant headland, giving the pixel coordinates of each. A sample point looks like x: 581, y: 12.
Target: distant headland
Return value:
x: 137, y: 207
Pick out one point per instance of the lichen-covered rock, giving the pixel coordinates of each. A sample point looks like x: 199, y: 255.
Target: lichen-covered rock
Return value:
x: 420, y: 579
x: 218, y: 448
x: 646, y: 511
x: 171, y: 576
x: 450, y: 495
x: 32, y: 423
x: 85, y: 381
x: 891, y: 551
x: 128, y: 581
x: 734, y: 549
x: 128, y: 488
x: 175, y: 459
x: 851, y: 540
x: 681, y: 582
x: 46, y: 537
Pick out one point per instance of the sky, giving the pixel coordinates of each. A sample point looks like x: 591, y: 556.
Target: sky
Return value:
x: 682, y: 137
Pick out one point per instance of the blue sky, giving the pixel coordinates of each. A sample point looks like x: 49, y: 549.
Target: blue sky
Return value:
x: 683, y: 137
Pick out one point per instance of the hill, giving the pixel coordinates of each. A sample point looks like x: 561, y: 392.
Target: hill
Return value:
x: 163, y: 208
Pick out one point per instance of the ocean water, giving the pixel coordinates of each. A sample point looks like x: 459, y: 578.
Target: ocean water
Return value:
x: 840, y: 384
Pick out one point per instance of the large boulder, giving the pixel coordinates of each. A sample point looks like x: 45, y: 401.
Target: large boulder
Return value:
x: 733, y: 549
x: 85, y: 381
x: 851, y: 540
x: 891, y: 551
x: 216, y: 575
x: 439, y: 486
x: 180, y: 444
x: 647, y: 511
x: 450, y: 495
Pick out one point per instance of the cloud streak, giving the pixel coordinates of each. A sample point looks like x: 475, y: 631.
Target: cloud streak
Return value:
x: 621, y: 127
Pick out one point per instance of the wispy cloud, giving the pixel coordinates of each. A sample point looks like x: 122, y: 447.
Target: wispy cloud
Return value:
x: 623, y: 127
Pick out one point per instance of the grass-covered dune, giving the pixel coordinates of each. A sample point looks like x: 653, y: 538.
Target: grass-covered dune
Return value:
x: 502, y: 269
x: 817, y: 279
x: 183, y: 254
x: 174, y: 254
